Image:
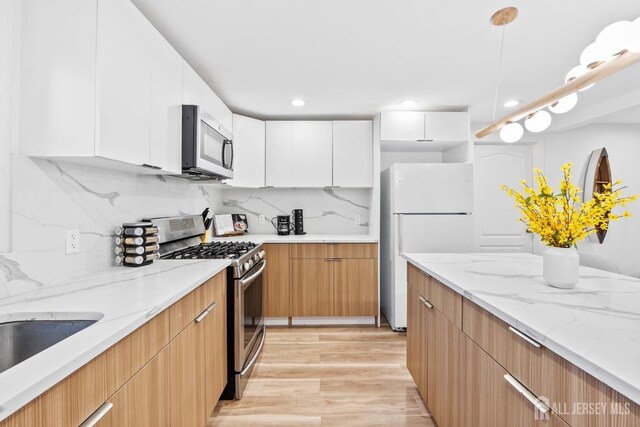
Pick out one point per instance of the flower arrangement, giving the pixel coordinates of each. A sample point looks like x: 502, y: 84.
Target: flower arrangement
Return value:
x: 562, y: 220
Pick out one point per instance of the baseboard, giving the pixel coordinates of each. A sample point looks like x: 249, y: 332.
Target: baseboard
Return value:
x: 301, y: 321
x: 276, y: 321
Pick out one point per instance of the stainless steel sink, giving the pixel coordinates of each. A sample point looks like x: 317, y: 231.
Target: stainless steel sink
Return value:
x: 21, y: 339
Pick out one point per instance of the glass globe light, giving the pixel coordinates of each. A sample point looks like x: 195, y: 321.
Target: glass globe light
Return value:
x: 612, y: 38
x: 538, y: 121
x: 632, y: 36
x: 511, y: 132
x: 565, y: 104
x: 576, y: 72
x: 593, y: 54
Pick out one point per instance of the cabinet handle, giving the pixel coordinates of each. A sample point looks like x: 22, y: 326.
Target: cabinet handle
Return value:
x: 424, y: 140
x: 525, y: 337
x: 425, y: 302
x: 97, y: 415
x: 146, y: 165
x: 539, y: 404
x: 206, y: 312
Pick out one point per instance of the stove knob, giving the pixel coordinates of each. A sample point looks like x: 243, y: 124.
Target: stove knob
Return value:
x: 256, y: 258
x: 246, y: 266
x: 261, y: 254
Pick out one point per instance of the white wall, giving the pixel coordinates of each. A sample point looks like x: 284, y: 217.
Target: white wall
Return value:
x: 623, y: 145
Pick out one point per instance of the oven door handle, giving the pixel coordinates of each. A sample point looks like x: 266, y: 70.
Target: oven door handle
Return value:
x: 248, y: 280
x: 255, y: 356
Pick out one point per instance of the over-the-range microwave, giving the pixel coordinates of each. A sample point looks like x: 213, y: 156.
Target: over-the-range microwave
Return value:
x: 207, y: 147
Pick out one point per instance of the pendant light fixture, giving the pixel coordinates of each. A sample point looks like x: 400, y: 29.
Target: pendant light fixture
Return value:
x: 512, y: 132
x: 615, y: 48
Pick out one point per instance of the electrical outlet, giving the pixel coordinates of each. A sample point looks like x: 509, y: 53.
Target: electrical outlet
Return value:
x: 73, y: 242
x: 357, y: 219
x: 262, y: 219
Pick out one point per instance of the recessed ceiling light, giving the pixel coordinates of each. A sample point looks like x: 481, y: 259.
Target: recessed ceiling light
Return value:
x: 408, y: 103
x: 297, y: 102
x: 511, y: 103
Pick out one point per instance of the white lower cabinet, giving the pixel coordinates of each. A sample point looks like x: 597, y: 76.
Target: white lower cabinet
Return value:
x: 249, y: 152
x: 353, y: 153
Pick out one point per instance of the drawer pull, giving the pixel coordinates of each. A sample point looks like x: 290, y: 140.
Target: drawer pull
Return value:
x: 539, y: 404
x: 425, y: 302
x: 525, y: 337
x: 97, y: 415
x: 206, y: 312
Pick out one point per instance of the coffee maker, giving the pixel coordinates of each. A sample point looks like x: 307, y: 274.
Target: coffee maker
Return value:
x: 298, y: 222
x: 282, y: 223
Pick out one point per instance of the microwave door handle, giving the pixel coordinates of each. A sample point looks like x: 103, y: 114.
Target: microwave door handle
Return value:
x: 227, y: 145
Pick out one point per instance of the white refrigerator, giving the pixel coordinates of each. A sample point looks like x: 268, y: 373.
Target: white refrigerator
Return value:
x: 425, y: 207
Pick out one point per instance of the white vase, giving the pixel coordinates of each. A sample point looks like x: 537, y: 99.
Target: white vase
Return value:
x: 560, y: 267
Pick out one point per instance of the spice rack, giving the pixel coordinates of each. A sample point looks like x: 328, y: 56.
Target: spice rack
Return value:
x: 136, y: 244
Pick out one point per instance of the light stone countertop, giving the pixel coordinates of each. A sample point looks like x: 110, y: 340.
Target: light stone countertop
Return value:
x: 595, y: 326
x: 305, y: 238
x: 123, y: 299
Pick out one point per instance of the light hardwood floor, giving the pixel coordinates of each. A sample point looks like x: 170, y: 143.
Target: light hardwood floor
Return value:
x: 346, y: 376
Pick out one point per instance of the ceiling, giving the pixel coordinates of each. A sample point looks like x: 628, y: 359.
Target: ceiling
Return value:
x: 358, y: 57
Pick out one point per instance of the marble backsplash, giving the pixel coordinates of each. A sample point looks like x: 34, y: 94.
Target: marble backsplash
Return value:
x: 50, y: 197
x: 326, y: 210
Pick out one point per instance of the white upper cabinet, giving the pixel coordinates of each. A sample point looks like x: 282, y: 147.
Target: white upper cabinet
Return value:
x: 58, y: 70
x: 412, y: 126
x: 166, y: 106
x: 402, y: 126
x: 102, y: 87
x: 279, y: 154
x: 312, y: 158
x: 353, y: 153
x: 446, y: 126
x: 299, y: 154
x: 197, y: 92
x: 248, y: 152
x: 123, y: 83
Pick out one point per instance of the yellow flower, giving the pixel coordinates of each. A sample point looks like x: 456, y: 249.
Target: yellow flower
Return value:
x: 562, y: 219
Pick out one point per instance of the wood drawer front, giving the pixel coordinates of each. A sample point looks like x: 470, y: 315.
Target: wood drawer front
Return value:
x: 522, y: 359
x: 67, y: 403
x: 446, y: 300
x: 417, y: 279
x: 190, y: 306
x: 566, y: 385
x: 309, y: 250
x: 131, y: 353
x: 352, y: 250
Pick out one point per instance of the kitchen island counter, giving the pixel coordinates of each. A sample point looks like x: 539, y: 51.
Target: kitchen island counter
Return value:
x: 595, y: 326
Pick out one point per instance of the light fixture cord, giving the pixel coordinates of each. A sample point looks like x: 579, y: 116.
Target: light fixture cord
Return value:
x: 495, y: 102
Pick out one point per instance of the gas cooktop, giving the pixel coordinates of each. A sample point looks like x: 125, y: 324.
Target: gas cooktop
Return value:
x: 213, y: 250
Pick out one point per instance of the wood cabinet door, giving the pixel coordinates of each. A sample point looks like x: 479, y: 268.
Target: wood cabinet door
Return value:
x: 353, y: 153
x: 215, y: 326
x: 443, y: 366
x: 487, y: 399
x: 249, y: 152
x: 355, y: 287
x: 402, y: 126
x: 142, y: 401
x: 311, y: 287
x: 123, y: 82
x: 165, y: 147
x: 276, y: 280
x: 187, y: 377
x: 416, y: 339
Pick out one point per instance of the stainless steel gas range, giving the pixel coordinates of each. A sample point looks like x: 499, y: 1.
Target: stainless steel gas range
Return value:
x: 180, y: 238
